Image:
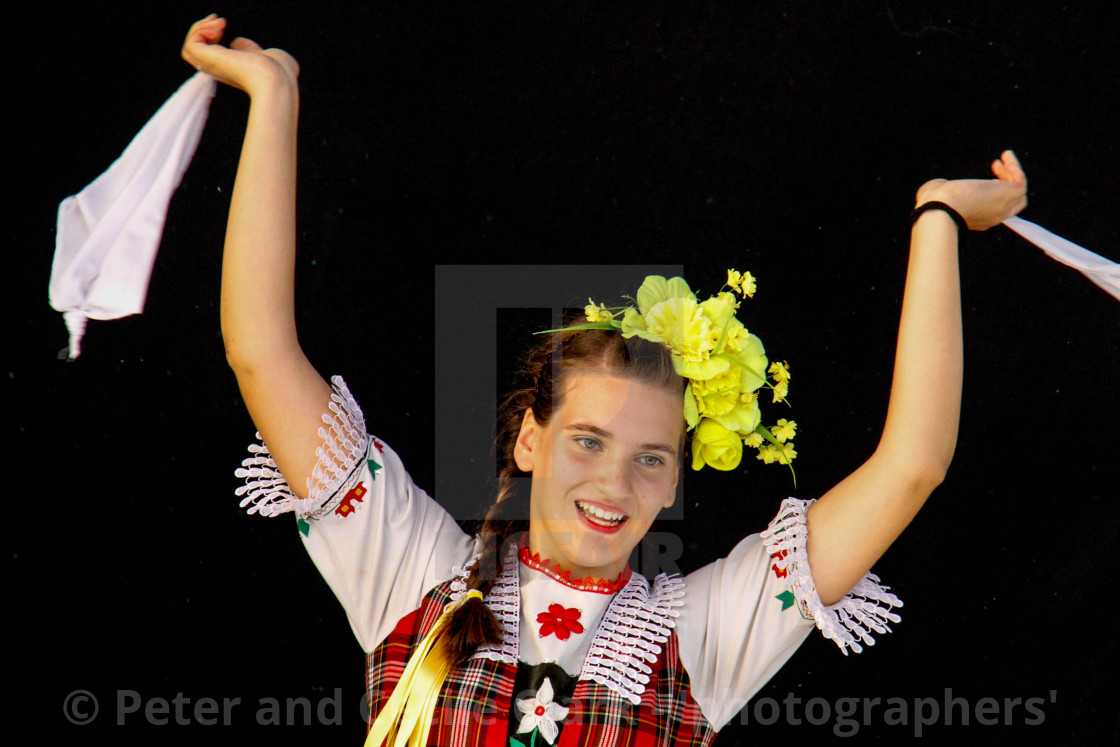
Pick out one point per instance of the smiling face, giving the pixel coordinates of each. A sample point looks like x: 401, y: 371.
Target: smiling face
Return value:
x: 603, y: 467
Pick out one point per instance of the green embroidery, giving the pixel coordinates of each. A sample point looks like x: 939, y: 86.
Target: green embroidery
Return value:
x: 373, y: 467
x: 532, y: 740
x: 304, y: 526
x: 787, y: 599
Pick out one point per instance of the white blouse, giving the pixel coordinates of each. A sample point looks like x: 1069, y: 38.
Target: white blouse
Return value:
x: 382, y: 544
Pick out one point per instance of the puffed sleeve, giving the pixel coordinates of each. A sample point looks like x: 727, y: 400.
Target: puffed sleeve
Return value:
x: 743, y: 616
x: 380, y: 542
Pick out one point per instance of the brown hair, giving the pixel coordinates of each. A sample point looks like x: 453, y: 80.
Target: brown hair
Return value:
x: 544, y: 373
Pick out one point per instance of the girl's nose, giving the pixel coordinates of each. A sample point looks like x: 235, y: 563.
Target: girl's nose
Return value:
x: 613, y: 477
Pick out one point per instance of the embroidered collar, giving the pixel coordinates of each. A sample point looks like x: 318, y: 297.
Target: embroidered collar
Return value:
x: 553, y: 571
x: 620, y: 649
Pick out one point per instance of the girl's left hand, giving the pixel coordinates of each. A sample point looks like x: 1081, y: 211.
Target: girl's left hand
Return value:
x: 983, y: 203
x: 243, y: 64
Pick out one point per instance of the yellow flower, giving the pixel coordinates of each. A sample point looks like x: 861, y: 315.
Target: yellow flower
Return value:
x: 780, y: 371
x: 714, y: 445
x: 633, y: 323
x: 752, y: 357
x: 742, y: 418
x: 719, y: 394
x: 735, y: 338
x: 656, y: 289
x: 752, y: 440
x: 691, y: 412
x: 681, y: 324
x: 720, y: 309
x: 742, y: 283
x: 750, y: 287
x: 597, y: 313
x: 784, y: 430
x: 783, y: 454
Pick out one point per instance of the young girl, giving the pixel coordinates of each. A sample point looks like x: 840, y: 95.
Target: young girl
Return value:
x: 546, y: 637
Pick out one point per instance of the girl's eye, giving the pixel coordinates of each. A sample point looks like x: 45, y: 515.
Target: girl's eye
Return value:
x: 588, y: 443
x: 649, y: 460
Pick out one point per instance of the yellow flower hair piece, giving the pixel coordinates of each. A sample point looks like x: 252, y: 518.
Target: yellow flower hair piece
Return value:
x: 724, y: 363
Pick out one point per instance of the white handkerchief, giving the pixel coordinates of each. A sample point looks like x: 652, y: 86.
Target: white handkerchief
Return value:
x: 1101, y: 271
x: 108, y: 233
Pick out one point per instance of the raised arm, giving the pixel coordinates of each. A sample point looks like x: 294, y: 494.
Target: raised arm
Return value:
x: 853, y: 524
x: 286, y: 397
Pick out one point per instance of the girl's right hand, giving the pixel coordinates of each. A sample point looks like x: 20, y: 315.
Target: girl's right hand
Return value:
x: 983, y: 203
x: 243, y: 64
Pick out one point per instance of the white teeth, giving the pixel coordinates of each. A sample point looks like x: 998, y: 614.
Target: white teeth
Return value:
x: 599, y: 515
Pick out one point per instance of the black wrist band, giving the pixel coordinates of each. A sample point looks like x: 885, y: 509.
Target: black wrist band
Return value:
x: 962, y: 225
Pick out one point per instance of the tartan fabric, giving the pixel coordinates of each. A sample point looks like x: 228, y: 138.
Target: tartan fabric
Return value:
x: 474, y: 706
x: 667, y: 715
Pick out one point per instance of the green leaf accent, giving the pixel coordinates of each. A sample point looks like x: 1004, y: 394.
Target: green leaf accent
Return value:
x: 787, y: 599
x: 589, y: 325
x: 373, y: 467
x: 304, y: 526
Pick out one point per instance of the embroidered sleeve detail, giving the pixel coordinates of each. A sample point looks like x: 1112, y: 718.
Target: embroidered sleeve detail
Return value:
x: 867, y: 607
x: 504, y: 600
x: 629, y: 639
x: 344, y: 445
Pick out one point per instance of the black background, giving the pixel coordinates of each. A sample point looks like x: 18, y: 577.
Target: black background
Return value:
x: 785, y: 138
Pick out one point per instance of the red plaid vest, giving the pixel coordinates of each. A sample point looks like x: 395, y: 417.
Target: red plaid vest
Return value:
x: 473, y: 708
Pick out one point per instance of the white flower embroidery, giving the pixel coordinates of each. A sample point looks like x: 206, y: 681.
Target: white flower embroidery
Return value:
x: 540, y: 712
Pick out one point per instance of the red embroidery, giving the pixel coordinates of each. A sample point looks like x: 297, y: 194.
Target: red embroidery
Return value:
x: 380, y: 446
x: 779, y: 572
x: 562, y: 622
x: 346, y: 507
x: 587, y: 583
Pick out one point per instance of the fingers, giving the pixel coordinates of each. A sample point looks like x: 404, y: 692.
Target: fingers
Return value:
x: 1008, y: 169
x: 202, y: 34
x: 209, y: 30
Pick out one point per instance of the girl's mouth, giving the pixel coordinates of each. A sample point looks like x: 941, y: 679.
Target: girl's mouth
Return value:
x: 601, y: 518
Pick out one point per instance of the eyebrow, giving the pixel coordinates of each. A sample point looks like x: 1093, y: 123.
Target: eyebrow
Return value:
x: 588, y: 428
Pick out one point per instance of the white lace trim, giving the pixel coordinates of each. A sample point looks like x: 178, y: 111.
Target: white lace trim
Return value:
x: 459, y: 583
x: 344, y: 445
x: 504, y: 600
x: 867, y: 607
x: 634, y: 626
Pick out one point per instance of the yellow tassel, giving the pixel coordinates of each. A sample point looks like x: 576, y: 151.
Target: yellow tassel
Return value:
x: 407, y: 718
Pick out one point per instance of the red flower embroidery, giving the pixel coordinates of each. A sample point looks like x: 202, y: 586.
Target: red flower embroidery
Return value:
x: 780, y: 555
x: 346, y: 506
x: 562, y: 622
